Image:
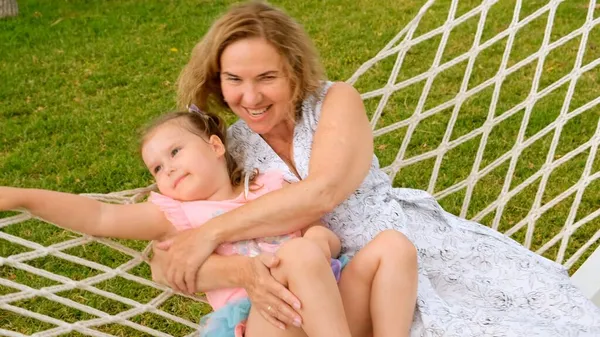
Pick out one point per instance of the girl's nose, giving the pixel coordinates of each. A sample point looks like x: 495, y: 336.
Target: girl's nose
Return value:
x: 170, y: 169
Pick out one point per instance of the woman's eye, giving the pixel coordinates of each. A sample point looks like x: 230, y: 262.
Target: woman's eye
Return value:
x: 233, y: 79
x: 174, y: 151
x: 157, y: 169
x: 267, y: 78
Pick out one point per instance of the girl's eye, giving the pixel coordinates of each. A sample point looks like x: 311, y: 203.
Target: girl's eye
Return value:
x: 174, y: 151
x: 157, y: 169
x: 268, y: 78
x: 233, y: 79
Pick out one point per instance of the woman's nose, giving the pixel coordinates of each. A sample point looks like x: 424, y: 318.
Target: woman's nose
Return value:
x: 251, y: 96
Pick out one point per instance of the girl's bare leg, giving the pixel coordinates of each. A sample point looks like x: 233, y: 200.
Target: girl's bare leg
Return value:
x: 355, y: 287
x: 305, y: 271
x: 325, y: 238
x: 379, y: 287
x: 257, y: 326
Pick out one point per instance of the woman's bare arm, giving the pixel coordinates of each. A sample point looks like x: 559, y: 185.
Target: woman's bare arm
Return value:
x: 340, y: 160
x: 252, y: 274
x: 218, y: 272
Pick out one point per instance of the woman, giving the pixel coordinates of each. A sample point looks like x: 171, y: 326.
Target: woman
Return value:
x: 377, y: 293
x: 473, y: 281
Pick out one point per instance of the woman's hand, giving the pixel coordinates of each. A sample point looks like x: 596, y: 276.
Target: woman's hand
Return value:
x: 186, y: 251
x: 158, y: 265
x: 273, y: 300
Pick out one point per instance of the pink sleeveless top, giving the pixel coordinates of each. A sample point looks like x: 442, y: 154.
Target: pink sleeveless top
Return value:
x: 190, y: 214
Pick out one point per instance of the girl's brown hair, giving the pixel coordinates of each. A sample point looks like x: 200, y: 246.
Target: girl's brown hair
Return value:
x: 203, y: 124
x: 200, y: 83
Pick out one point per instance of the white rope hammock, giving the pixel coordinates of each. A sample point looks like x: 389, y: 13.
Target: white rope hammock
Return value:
x: 398, y: 48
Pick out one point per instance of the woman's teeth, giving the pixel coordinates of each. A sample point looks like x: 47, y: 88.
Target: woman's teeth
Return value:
x: 257, y: 112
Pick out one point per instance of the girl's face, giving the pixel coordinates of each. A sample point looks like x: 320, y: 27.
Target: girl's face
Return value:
x: 185, y: 166
x: 255, y: 85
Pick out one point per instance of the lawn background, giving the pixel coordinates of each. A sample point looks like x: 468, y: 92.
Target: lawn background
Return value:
x: 78, y: 79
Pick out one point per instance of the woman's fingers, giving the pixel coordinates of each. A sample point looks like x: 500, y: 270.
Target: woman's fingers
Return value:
x: 272, y: 320
x: 284, y: 313
x: 174, y: 273
x: 164, y: 245
x: 190, y: 279
x: 276, y: 288
x: 176, y: 279
x: 270, y: 296
x: 279, y: 311
x: 269, y: 260
x: 194, y: 262
x: 286, y: 296
x: 281, y: 301
x: 185, y: 254
x: 283, y: 304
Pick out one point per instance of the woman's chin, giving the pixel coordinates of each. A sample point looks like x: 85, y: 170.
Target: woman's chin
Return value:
x: 260, y: 128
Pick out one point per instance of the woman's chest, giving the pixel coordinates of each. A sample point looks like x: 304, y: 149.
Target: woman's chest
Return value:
x: 292, y: 158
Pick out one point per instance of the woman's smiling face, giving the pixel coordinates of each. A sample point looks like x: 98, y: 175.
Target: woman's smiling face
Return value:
x: 255, y: 84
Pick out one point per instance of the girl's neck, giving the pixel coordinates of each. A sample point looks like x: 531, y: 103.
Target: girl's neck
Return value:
x: 227, y: 192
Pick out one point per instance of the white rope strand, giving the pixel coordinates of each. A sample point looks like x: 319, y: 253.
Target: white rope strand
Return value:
x: 568, y: 253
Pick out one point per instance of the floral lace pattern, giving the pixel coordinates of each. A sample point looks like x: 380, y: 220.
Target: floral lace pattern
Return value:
x: 473, y: 281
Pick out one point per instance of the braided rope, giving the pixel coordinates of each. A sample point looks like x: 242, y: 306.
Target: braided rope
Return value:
x: 18, y: 261
x: 513, y: 154
x: 399, y: 46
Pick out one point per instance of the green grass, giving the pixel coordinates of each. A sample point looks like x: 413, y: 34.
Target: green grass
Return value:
x: 457, y: 163
x: 79, y: 78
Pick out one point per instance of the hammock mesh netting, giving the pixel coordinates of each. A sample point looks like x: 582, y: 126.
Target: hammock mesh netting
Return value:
x: 475, y: 161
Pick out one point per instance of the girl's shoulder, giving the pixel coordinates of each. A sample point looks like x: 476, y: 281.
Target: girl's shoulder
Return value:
x: 266, y: 182
x: 173, y: 210
x: 272, y: 179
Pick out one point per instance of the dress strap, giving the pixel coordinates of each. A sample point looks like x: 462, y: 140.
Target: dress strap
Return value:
x: 246, y: 185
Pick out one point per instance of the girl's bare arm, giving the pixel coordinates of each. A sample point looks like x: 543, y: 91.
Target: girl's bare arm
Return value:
x: 142, y: 221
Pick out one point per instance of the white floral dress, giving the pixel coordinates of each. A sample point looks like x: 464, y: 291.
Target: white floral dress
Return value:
x: 473, y: 281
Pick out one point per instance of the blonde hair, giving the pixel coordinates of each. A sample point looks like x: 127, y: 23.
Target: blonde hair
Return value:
x: 199, y: 82
x: 203, y: 124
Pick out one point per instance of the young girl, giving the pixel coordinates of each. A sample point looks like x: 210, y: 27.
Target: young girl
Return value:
x: 197, y: 179
x: 185, y: 153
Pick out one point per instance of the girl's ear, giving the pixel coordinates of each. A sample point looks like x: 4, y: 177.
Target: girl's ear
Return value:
x: 217, y: 145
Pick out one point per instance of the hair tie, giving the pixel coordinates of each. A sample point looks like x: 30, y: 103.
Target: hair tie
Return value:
x: 194, y: 109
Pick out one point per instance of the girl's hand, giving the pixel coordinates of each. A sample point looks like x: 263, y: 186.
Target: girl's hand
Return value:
x: 273, y: 300
x: 186, y: 251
